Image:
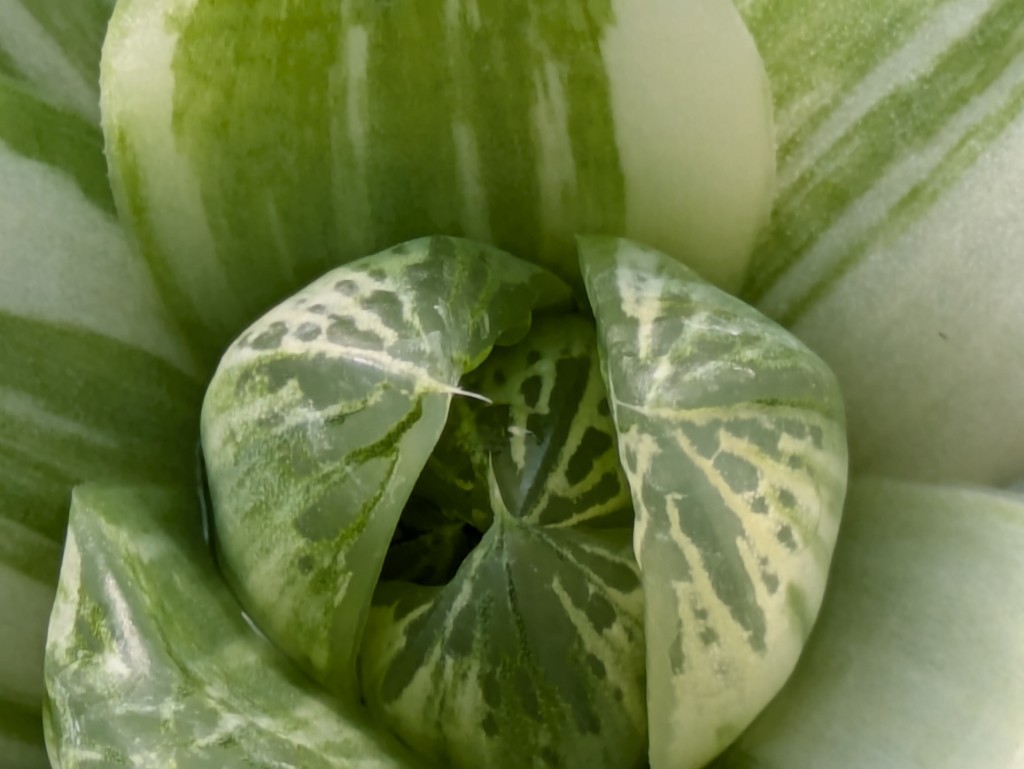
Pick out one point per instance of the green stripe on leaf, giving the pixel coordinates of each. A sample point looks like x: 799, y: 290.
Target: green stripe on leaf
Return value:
x: 255, y: 145
x: 893, y: 251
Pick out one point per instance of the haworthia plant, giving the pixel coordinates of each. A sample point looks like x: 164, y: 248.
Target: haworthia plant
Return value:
x: 414, y: 470
x: 894, y: 249
x: 254, y: 145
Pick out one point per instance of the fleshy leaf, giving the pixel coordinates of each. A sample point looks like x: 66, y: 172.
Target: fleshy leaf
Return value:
x: 53, y: 46
x: 151, y: 663
x: 532, y: 653
x: 894, y: 250
x: 255, y: 144
x: 918, y: 655
x: 322, y: 415
x: 94, y: 383
x: 731, y: 435
x: 28, y: 563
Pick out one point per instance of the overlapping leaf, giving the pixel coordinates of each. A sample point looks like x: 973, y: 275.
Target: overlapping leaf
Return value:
x: 918, y: 656
x: 894, y: 250
x: 151, y: 664
x: 93, y: 383
x: 731, y: 435
x: 256, y: 144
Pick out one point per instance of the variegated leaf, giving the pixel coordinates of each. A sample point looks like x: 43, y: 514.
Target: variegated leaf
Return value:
x: 151, y: 663
x: 530, y: 652
x: 731, y: 434
x: 53, y: 47
x: 917, y: 659
x: 256, y: 144
x: 94, y: 383
x: 894, y: 250
x: 322, y: 415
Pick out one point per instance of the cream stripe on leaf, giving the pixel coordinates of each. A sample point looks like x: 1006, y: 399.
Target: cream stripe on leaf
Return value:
x: 151, y: 665
x: 917, y: 658
x: 255, y: 144
x: 896, y: 235
x: 94, y: 381
x: 54, y: 46
x: 731, y: 435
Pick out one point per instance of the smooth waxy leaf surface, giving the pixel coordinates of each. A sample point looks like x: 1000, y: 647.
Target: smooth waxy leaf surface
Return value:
x: 894, y: 250
x: 322, y: 415
x: 532, y: 654
x: 731, y: 435
x: 151, y: 663
x: 508, y: 627
x: 255, y: 144
x: 917, y: 658
x: 93, y: 383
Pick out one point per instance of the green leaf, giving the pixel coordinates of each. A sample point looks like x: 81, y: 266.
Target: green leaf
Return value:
x: 894, y: 249
x: 321, y: 417
x: 917, y: 658
x: 731, y: 435
x: 532, y: 647
x: 53, y: 46
x: 27, y: 565
x: 151, y: 663
x: 93, y: 381
x: 256, y: 144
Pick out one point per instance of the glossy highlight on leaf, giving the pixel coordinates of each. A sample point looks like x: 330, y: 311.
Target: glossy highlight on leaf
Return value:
x: 151, y: 663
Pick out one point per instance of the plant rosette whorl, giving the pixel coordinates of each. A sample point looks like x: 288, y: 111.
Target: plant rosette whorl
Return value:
x: 414, y: 466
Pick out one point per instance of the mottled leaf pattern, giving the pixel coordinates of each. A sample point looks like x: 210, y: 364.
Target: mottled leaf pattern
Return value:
x: 151, y: 663
x: 471, y: 673
x: 571, y: 600
x: 320, y: 419
x: 731, y: 435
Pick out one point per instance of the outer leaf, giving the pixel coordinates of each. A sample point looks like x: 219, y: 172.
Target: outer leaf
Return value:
x: 321, y: 417
x: 917, y: 659
x: 151, y: 664
x: 731, y: 435
x: 93, y: 384
x: 53, y: 46
x: 894, y: 250
x: 256, y: 144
